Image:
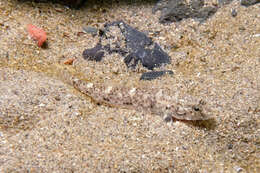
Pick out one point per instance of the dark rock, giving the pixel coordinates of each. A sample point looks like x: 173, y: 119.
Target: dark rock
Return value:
x: 249, y: 2
x: 133, y: 38
x: 204, y: 13
x: 150, y: 58
x: 242, y: 2
x: 133, y: 45
x: 197, y: 4
x: 94, y: 54
x: 176, y: 10
x: 155, y: 74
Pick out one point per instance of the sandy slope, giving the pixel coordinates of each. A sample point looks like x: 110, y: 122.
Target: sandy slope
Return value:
x: 47, y: 126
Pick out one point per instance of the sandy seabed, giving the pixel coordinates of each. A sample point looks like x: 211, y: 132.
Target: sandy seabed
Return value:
x: 48, y: 126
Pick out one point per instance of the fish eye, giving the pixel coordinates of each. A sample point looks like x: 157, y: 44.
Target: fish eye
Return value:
x: 196, y: 108
x: 168, y: 107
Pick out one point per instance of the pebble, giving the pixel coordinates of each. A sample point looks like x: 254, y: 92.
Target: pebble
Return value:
x: 230, y: 146
x: 154, y: 74
x: 90, y: 30
x: 256, y: 35
x: 42, y: 105
x: 238, y: 169
x: 233, y: 13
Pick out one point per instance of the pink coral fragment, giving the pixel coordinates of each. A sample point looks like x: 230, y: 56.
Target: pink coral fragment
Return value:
x: 37, y: 34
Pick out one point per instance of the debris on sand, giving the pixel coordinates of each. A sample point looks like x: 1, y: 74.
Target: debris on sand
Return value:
x: 69, y: 61
x: 134, y: 47
x: 37, y: 34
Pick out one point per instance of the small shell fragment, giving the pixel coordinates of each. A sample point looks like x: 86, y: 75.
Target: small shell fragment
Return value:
x: 69, y: 61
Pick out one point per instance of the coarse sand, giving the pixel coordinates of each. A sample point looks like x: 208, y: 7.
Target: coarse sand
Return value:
x: 48, y: 126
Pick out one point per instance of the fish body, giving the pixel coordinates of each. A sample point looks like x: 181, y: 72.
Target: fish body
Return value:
x: 152, y: 100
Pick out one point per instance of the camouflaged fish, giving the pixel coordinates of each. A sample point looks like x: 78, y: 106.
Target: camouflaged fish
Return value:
x: 150, y: 100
